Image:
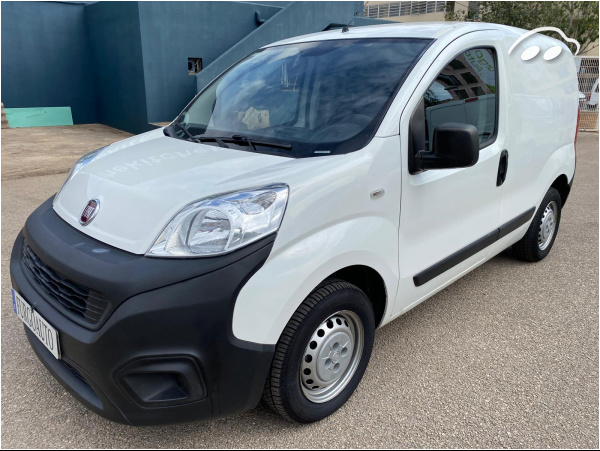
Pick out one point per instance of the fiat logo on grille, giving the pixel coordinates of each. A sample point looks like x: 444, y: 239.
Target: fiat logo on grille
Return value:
x: 89, y: 212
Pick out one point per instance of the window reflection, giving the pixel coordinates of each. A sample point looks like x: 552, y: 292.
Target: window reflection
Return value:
x: 465, y: 91
x: 321, y: 97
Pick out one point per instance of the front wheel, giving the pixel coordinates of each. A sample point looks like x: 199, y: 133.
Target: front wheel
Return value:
x: 322, y: 353
x: 540, y: 235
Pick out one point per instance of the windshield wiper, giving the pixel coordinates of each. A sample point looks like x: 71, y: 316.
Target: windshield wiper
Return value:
x: 245, y: 138
x: 197, y: 139
x: 236, y: 139
x: 186, y: 131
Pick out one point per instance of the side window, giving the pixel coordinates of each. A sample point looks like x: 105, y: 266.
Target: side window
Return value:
x: 465, y: 91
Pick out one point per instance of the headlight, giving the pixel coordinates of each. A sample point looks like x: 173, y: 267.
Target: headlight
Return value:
x: 221, y: 224
x: 87, y: 158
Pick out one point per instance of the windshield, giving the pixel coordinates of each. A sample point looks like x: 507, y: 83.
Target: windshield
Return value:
x: 302, y: 100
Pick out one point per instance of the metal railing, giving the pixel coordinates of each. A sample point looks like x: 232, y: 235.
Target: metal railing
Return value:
x: 395, y: 9
x: 587, y: 75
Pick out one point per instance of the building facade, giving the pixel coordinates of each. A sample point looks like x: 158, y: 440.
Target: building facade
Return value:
x: 132, y: 64
x: 432, y: 11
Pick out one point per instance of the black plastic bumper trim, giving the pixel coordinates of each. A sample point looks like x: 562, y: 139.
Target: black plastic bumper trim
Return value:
x: 172, y: 310
x: 115, y: 274
x: 468, y: 251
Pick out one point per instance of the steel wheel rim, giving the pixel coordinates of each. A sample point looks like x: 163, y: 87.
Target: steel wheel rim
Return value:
x: 332, y: 356
x: 547, y: 225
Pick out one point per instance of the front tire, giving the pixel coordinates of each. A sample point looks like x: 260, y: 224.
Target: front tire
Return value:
x: 322, y: 353
x: 542, y: 231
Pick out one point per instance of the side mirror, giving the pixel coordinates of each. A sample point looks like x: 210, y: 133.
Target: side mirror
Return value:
x: 455, y: 145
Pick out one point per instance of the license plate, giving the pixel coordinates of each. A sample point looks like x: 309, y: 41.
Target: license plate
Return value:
x: 47, y: 334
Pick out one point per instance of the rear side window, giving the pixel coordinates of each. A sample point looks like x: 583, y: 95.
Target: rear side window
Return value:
x: 465, y: 91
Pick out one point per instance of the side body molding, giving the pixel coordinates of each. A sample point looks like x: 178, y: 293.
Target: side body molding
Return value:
x: 476, y: 246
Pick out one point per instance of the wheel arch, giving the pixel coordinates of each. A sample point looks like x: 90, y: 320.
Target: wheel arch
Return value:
x: 269, y: 299
x: 369, y: 281
x: 561, y: 184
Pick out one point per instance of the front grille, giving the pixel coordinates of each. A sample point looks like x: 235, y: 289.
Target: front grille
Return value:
x: 76, y: 299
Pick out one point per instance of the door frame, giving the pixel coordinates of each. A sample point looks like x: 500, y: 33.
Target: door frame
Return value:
x: 460, y: 261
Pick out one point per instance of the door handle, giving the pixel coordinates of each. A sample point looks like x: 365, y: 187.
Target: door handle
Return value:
x: 502, y: 168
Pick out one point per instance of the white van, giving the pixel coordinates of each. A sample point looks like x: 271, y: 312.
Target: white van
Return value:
x: 314, y: 192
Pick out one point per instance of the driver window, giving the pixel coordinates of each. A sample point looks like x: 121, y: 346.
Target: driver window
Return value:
x: 465, y: 91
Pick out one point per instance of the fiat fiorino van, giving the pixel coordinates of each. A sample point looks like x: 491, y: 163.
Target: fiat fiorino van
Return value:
x: 315, y: 191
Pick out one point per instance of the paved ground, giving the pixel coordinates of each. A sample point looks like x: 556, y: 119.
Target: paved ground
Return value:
x: 505, y: 357
x: 28, y: 152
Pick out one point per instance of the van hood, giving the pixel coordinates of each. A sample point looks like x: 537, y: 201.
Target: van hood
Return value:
x: 142, y: 182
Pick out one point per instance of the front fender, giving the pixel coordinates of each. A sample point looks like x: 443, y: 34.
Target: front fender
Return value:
x: 269, y: 299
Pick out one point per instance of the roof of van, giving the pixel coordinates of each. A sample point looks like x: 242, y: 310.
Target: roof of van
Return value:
x: 431, y: 30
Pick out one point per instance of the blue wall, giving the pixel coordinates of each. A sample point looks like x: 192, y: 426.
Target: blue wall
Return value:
x: 173, y: 31
x: 115, y: 42
x: 124, y: 64
x: 296, y: 19
x: 45, y: 58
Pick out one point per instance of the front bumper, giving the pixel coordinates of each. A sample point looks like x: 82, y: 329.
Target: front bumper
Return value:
x: 164, y: 352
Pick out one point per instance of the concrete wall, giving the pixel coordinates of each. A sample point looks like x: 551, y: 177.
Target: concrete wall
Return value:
x: 173, y: 31
x: 116, y: 45
x: 593, y: 51
x: 124, y: 64
x: 45, y: 58
x: 296, y: 19
x: 427, y: 17
x: 366, y: 22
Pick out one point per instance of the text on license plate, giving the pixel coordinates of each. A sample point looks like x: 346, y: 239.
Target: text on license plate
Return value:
x: 47, y: 334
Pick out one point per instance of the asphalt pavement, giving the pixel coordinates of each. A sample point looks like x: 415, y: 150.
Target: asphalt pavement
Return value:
x: 505, y: 357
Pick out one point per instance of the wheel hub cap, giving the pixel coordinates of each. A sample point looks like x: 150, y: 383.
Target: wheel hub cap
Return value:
x: 332, y: 356
x: 548, y: 225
